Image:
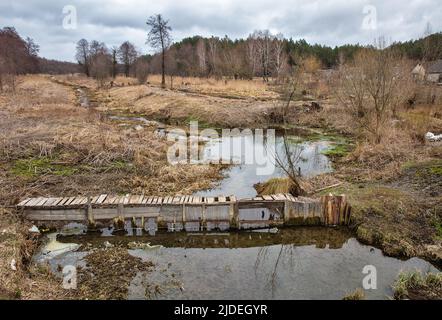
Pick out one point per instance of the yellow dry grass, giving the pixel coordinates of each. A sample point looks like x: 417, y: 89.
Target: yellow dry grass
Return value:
x: 18, y: 278
x: 51, y: 146
x: 177, y: 107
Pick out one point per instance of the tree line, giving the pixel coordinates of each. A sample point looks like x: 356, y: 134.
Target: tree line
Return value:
x: 17, y: 56
x: 261, y: 54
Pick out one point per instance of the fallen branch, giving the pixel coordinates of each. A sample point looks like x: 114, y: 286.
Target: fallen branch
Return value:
x: 328, y: 187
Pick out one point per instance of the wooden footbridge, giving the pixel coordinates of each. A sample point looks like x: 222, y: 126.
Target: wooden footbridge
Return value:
x: 189, y: 212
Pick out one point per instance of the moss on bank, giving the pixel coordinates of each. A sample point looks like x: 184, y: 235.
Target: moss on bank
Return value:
x: 35, y: 167
x: 415, y: 286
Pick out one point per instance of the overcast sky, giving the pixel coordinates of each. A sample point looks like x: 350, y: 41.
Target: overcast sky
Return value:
x: 333, y: 22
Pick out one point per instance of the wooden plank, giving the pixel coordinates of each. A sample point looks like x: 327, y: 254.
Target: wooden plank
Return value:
x: 117, y: 200
x: 33, y: 202
x: 67, y: 203
x: 267, y: 198
x: 135, y: 199
x: 57, y: 203
x: 54, y: 202
x: 232, y: 199
x: 94, y: 199
x: 222, y: 199
x: 124, y: 199
x: 176, y: 200
x: 281, y: 196
x: 110, y: 200
x: 50, y: 202
x: 41, y: 202
x: 160, y: 200
x: 210, y: 199
x: 101, y: 199
x: 258, y: 199
x: 62, y: 202
x: 21, y: 204
x: 78, y: 201
x: 150, y: 200
x: 83, y: 201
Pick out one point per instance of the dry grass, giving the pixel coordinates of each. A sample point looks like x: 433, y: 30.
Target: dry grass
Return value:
x: 175, y: 107
x: 415, y: 286
x: 358, y: 294
x: 27, y: 281
x: 235, y: 89
x: 50, y: 146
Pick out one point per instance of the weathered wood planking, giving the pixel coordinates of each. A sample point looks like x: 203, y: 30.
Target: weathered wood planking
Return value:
x: 281, y: 208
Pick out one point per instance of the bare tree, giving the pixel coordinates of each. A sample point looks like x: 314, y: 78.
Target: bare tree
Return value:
x: 201, y: 55
x: 159, y: 38
x: 83, y: 55
x: 213, y: 56
x: 114, y: 51
x: 17, y: 56
x: 251, y: 55
x: 141, y: 70
x: 371, y: 88
x: 171, y: 58
x: 127, y: 54
x: 280, y: 57
x: 101, y: 67
x: 264, y: 41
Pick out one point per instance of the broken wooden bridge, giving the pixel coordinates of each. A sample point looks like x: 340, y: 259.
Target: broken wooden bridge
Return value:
x: 189, y: 212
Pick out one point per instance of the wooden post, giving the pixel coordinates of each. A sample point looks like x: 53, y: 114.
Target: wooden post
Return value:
x: 184, y: 214
x: 90, y: 214
x: 203, y: 217
x: 286, y: 211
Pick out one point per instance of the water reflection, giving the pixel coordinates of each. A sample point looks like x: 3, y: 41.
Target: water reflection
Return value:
x: 241, y: 178
x: 293, y: 263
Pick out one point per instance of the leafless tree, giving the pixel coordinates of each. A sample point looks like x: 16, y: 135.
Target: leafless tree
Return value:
x: 264, y: 40
x: 127, y: 54
x: 17, y: 56
x: 288, y: 158
x: 201, y: 55
x: 159, y: 38
x: 83, y: 55
x: 280, y: 58
x: 141, y: 70
x: 171, y: 58
x: 114, y: 51
x: 213, y: 56
x: 251, y: 55
x: 371, y: 88
x: 101, y: 67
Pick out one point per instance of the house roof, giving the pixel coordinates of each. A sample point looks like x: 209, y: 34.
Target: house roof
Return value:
x: 435, y: 67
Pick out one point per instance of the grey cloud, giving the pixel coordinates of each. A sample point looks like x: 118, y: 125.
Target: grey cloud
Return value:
x: 112, y: 21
